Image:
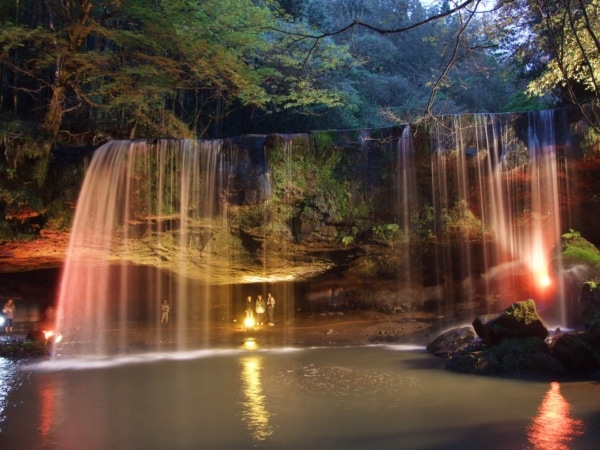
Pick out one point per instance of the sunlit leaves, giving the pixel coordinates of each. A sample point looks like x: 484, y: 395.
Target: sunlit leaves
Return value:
x: 573, y: 38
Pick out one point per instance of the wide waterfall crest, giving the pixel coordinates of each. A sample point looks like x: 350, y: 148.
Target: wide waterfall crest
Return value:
x: 165, y: 220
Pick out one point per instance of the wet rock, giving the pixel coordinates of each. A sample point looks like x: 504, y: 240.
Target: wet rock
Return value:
x: 525, y: 356
x: 519, y: 320
x: 473, y: 362
x: 452, y: 341
x: 590, y: 311
x: 574, y: 353
x: 513, y: 343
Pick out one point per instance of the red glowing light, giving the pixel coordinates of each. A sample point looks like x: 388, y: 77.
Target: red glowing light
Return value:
x: 553, y: 428
x: 544, y: 281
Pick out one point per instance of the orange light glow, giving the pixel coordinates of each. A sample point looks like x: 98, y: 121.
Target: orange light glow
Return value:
x: 544, y: 281
x: 554, y: 428
x: 48, y: 334
x: 47, y: 394
x: 539, y: 267
x: 249, y: 322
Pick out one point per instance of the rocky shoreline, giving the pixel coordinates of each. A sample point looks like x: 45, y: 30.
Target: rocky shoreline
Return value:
x: 515, y: 342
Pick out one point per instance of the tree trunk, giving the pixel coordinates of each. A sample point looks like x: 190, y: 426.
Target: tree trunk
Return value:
x: 53, y: 119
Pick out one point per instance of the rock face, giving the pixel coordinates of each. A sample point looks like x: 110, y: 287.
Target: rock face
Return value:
x: 516, y: 342
x: 347, y: 209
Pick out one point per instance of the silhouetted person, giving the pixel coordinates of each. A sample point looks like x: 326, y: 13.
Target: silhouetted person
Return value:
x: 9, y: 315
x: 260, y: 310
x: 165, y: 308
x: 249, y: 307
x: 271, y: 309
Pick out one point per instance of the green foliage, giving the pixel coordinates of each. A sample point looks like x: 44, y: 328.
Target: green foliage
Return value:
x: 181, y: 67
x: 579, y: 251
x: 575, y: 28
x: 591, y: 141
x: 574, y: 254
x: 461, y: 223
x: 522, y: 102
x: 314, y: 181
x: 347, y: 239
x: 170, y: 68
x: 385, y: 232
x: 571, y: 234
x: 348, y: 236
x: 424, y: 222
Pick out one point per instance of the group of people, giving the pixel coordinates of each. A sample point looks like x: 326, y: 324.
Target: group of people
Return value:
x: 259, y: 309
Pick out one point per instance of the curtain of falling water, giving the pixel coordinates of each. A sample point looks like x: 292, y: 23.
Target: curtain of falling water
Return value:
x: 137, y: 198
x: 406, y: 198
x: 502, y: 188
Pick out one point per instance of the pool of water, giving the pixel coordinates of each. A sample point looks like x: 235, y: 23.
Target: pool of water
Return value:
x: 384, y: 397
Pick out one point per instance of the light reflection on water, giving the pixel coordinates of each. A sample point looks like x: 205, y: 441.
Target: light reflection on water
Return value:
x: 345, y: 398
x: 255, y: 412
x: 8, y: 381
x: 553, y: 428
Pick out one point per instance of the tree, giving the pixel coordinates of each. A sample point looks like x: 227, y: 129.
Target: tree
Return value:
x: 174, y: 67
x: 411, y: 60
x: 571, y: 30
x: 560, y: 51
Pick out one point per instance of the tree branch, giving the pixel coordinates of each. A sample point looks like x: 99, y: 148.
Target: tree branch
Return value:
x: 437, y: 84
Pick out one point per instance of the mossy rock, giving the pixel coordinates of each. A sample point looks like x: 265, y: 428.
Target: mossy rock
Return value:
x: 520, y: 320
x: 577, y: 252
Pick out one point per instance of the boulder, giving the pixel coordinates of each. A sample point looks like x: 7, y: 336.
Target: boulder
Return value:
x: 529, y: 356
x: 590, y: 311
x: 516, y: 343
x: 520, y: 320
x: 451, y: 342
x: 574, y: 353
x: 473, y: 361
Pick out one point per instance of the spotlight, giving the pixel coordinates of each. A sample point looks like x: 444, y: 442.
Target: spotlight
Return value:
x: 249, y: 322
x: 51, y: 336
x: 544, y: 281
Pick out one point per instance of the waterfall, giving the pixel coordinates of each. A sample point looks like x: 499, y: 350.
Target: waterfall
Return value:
x: 158, y: 203
x: 407, y: 206
x: 469, y: 226
x: 496, y: 197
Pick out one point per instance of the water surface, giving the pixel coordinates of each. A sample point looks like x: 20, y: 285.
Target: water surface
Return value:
x: 384, y: 397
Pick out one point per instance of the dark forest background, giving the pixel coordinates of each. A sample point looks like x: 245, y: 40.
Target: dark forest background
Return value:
x: 85, y: 72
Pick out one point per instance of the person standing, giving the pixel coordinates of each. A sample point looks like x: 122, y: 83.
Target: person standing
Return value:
x: 271, y: 309
x: 260, y: 309
x: 165, y: 308
x: 9, y: 315
x: 249, y: 312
